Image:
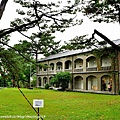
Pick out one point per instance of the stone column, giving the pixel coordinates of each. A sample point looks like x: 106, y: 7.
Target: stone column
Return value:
x: 84, y: 82
x: 99, y: 86
x: 63, y: 66
x: 84, y: 64
x: 54, y: 67
x: 42, y: 82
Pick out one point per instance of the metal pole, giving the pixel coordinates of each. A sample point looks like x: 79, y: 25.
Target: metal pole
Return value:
x: 30, y: 75
x: 38, y: 113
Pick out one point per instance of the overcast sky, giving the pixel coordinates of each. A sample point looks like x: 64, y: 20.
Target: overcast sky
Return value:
x: 111, y: 30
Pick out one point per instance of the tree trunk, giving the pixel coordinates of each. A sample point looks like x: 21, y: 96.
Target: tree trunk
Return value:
x: 2, y: 7
x: 116, y: 47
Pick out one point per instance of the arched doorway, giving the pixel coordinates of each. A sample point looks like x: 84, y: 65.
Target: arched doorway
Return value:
x: 45, y: 81
x: 78, y: 82
x: 50, y: 80
x: 39, y: 79
x: 91, y: 83
x: 106, y: 80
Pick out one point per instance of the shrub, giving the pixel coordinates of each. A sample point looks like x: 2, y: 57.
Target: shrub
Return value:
x: 47, y: 86
x: 61, y: 79
x: 119, y: 92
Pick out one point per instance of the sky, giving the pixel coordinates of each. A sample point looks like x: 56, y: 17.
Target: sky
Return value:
x: 111, y: 30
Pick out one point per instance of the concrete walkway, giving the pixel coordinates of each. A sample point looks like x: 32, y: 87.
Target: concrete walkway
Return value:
x: 94, y: 91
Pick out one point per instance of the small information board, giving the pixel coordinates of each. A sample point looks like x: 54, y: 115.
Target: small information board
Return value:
x: 38, y: 103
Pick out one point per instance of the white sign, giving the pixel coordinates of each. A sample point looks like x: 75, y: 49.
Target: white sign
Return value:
x: 38, y: 103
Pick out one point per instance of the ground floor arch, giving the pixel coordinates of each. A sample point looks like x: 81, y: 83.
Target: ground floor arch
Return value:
x: 78, y: 82
x: 50, y: 79
x: 45, y: 81
x: 40, y: 81
x: 106, y: 83
x: 91, y: 83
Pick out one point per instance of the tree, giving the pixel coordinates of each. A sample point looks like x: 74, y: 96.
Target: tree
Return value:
x: 102, y: 10
x: 61, y: 79
x: 79, y: 42
x: 15, y: 67
x: 28, y: 66
x: 2, y: 7
x: 98, y: 11
x: 38, y: 14
x: 9, y: 65
x: 43, y: 44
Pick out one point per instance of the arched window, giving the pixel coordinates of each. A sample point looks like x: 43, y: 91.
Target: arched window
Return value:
x: 78, y: 63
x: 91, y: 62
x: 59, y: 66
x: 45, y: 67
x: 68, y: 64
x: 105, y: 60
x: 51, y: 66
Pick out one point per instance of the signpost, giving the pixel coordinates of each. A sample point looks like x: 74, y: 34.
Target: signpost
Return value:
x: 38, y: 104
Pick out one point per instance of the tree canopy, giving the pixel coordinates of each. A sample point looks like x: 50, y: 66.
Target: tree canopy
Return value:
x: 102, y: 10
x: 46, y: 17
x: 62, y: 79
x: 98, y: 11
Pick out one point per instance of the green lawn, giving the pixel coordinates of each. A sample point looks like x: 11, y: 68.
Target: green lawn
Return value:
x: 59, y: 105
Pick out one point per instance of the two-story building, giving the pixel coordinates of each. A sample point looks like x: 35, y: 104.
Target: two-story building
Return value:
x: 91, y: 71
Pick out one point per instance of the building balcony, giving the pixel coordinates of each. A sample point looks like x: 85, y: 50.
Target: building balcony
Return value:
x: 57, y: 71
x: 91, y: 69
x: 51, y: 72
x: 78, y: 70
x: 105, y: 67
x: 42, y: 72
x: 45, y: 72
x: 68, y: 70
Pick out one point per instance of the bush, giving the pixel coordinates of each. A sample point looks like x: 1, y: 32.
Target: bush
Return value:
x: 47, y: 86
x: 61, y: 79
x: 119, y: 92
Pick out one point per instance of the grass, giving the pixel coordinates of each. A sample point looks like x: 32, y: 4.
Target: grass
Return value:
x: 59, y: 105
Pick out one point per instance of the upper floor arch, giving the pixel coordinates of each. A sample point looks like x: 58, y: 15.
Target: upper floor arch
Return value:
x: 45, y: 68
x: 78, y: 63
x: 68, y: 64
x: 105, y: 60
x: 59, y: 66
x: 91, y: 62
x: 51, y: 66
